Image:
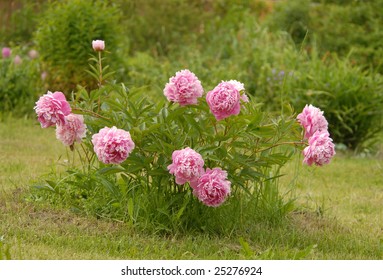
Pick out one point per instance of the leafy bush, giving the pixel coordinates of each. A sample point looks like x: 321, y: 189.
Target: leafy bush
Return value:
x: 251, y: 146
x: 66, y: 31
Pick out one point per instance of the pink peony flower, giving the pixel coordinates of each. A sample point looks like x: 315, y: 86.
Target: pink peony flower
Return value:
x: 187, y: 165
x: 6, y: 52
x: 17, y: 60
x: 183, y: 88
x: 312, y: 120
x: 72, y: 131
x: 240, y: 87
x: 98, y: 45
x: 33, y: 54
x: 224, y: 99
x: 112, y: 145
x: 212, y: 188
x: 44, y: 75
x: 52, y: 108
x: 320, y: 150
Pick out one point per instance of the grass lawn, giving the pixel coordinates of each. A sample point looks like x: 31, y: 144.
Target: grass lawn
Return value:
x: 339, y: 214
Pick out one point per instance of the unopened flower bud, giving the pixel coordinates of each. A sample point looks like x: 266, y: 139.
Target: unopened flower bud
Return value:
x: 98, y: 45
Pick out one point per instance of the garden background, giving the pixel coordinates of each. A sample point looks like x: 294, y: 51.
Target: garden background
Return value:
x: 287, y: 53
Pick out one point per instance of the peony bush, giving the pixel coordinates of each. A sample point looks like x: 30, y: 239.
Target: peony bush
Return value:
x: 169, y: 161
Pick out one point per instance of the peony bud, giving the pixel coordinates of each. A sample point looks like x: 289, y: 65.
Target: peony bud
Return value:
x: 98, y: 45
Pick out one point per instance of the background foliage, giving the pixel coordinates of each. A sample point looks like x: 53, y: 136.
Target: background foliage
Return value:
x: 20, y: 82
x: 216, y: 39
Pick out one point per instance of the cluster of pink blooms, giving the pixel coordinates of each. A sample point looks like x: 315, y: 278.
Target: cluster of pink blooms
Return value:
x: 112, y: 145
x: 211, y: 187
x: 187, y: 165
x: 53, y: 109
x: 17, y: 60
x: 321, y: 148
x: 224, y: 100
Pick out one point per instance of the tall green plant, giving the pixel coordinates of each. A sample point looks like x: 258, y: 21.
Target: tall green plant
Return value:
x: 63, y: 37
x: 249, y: 146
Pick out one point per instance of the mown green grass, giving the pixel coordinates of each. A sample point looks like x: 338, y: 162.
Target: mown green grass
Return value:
x: 338, y: 213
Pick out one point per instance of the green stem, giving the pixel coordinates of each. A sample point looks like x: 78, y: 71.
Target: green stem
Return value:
x: 295, y: 143
x: 91, y: 113
x: 100, y: 69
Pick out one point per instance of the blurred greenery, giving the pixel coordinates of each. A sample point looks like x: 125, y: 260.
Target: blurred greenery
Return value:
x: 20, y: 80
x: 281, y: 50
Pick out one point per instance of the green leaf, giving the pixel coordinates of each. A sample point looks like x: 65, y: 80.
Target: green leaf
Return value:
x: 111, y: 170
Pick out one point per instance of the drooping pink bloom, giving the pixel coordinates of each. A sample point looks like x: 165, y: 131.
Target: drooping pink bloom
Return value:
x: 312, y: 120
x: 72, y: 131
x: 6, y: 52
x: 187, y: 165
x: 224, y: 99
x: 52, y: 108
x: 320, y: 150
x: 212, y: 188
x: 112, y: 145
x: 183, y: 88
x: 98, y: 45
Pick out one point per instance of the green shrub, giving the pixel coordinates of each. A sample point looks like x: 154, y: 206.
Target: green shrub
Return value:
x: 64, y: 38
x: 251, y: 147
